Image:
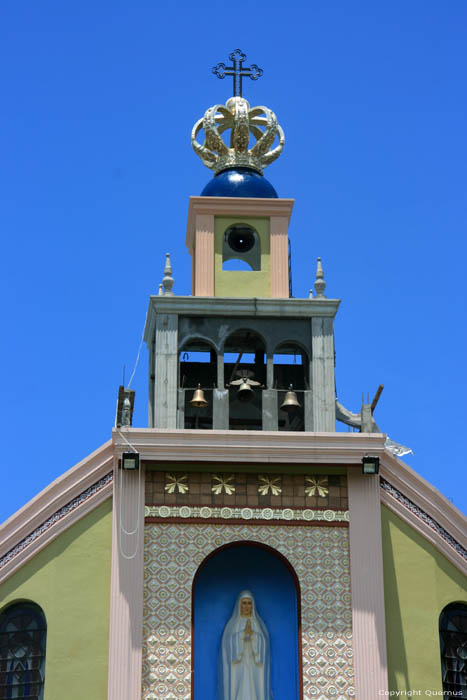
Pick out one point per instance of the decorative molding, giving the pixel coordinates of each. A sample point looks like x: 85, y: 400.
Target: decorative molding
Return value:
x: 176, y: 483
x: 177, y: 445
x: 425, y: 509
x: 62, y: 513
x: 316, y: 485
x: 55, y: 509
x: 422, y: 522
x: 234, y: 513
x: 238, y: 307
x: 269, y: 484
x: 425, y: 496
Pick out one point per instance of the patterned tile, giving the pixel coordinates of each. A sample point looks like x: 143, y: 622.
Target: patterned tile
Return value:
x: 173, y: 553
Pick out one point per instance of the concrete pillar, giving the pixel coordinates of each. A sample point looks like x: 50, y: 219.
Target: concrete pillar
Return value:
x: 166, y: 382
x: 308, y: 410
x: 324, y: 412
x: 367, y: 585
x: 270, y: 410
x: 220, y: 409
x: 181, y: 409
x: 151, y: 385
x: 126, y: 587
x: 270, y: 370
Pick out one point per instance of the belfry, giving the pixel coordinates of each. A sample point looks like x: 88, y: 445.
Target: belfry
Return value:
x: 240, y: 547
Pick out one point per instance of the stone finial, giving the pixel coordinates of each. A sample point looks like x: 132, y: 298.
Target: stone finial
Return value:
x: 320, y: 284
x: 161, y: 290
x: 310, y: 296
x: 168, y: 280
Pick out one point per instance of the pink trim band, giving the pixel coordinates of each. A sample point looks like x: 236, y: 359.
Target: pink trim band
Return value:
x: 126, y: 588
x: 367, y: 584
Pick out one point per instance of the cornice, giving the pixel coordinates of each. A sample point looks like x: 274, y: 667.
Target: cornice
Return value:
x: 237, y: 307
x: 425, y: 509
x: 81, y: 489
x: 425, y: 496
x: 234, y: 206
x: 232, y: 446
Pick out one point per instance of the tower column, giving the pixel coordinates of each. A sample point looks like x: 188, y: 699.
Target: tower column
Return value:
x: 367, y: 585
x: 203, y: 278
x: 279, y: 257
x: 324, y: 411
x: 166, y: 361
x: 126, y: 586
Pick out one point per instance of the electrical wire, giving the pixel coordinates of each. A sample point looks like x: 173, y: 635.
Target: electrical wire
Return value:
x: 139, y: 353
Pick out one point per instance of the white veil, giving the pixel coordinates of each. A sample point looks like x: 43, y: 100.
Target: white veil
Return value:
x: 231, y: 651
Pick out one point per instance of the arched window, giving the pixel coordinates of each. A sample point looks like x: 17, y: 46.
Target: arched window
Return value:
x: 453, y: 641
x: 22, y: 651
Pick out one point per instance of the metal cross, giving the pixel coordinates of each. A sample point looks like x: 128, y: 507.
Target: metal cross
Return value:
x: 237, y: 71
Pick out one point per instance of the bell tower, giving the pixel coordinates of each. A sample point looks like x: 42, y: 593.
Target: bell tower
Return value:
x: 240, y: 353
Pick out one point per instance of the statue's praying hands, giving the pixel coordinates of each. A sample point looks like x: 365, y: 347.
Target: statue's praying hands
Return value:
x: 248, y: 631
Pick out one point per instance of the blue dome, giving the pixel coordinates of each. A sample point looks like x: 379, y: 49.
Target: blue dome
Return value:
x: 239, y: 182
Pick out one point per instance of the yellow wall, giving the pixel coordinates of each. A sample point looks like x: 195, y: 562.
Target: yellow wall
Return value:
x: 418, y: 583
x: 242, y: 283
x: 70, y: 580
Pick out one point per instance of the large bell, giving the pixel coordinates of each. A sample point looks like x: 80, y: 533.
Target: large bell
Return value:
x: 245, y: 392
x: 198, y: 399
x: 290, y: 403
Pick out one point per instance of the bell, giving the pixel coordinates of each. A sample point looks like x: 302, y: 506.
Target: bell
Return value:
x: 198, y: 399
x: 290, y: 402
x: 245, y: 392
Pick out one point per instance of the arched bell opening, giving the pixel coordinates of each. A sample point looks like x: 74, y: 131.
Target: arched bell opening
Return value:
x: 241, y: 243
x: 198, y: 378
x: 291, y: 380
x: 245, y: 377
x: 253, y: 566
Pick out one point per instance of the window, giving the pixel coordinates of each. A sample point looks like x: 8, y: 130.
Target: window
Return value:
x: 453, y: 641
x: 22, y: 651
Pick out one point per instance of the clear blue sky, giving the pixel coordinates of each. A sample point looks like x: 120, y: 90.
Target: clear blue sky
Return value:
x: 98, y: 101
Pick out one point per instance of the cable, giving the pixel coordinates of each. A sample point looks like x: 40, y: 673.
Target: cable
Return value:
x: 139, y: 353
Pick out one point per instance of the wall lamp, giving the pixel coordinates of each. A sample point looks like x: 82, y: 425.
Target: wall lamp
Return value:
x: 130, y: 460
x: 370, y: 465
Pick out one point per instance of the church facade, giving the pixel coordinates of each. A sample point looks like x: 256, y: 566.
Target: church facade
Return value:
x: 239, y: 547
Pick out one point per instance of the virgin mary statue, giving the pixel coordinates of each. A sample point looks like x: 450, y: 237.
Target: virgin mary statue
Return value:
x: 244, y: 657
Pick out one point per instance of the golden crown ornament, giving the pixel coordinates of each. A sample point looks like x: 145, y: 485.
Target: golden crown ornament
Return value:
x: 244, y: 122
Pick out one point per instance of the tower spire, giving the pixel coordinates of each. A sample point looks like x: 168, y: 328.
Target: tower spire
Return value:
x: 320, y: 284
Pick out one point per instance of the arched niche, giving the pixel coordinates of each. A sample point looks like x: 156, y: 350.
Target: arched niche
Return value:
x: 291, y: 366
x: 244, y: 357
x: 274, y: 584
x: 242, y: 243
x: 197, y: 366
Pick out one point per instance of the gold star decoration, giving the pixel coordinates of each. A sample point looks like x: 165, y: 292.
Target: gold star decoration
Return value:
x: 319, y: 486
x: 223, y: 483
x: 176, y: 483
x: 269, y: 485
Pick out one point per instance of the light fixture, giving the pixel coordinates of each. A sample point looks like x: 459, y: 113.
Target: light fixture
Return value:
x: 130, y: 460
x: 370, y: 465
